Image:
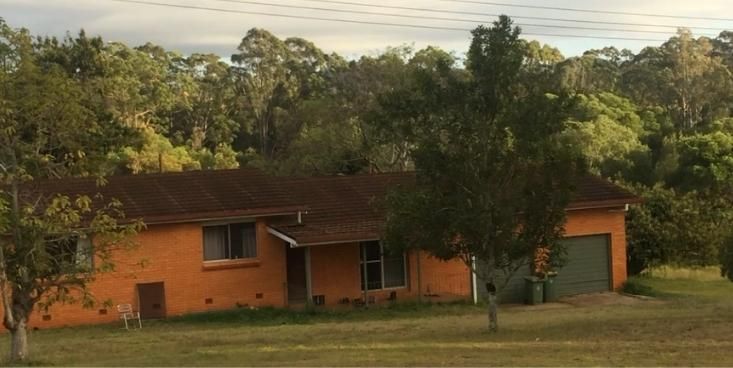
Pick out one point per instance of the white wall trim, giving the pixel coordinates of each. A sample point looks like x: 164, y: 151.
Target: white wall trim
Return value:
x: 293, y: 243
x: 474, y: 281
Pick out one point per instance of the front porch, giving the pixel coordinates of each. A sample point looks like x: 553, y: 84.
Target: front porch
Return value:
x: 336, y: 275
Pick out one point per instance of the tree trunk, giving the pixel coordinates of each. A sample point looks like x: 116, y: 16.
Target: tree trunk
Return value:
x: 15, y: 309
x: 491, y: 289
x: 19, y: 342
x: 493, y: 320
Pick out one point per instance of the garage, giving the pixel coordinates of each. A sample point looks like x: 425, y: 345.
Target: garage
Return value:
x: 587, y: 270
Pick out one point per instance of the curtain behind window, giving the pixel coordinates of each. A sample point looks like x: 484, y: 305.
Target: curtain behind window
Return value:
x: 249, y: 241
x: 244, y: 240
x: 216, y: 243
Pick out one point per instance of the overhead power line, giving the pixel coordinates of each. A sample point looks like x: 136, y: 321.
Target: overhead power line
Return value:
x: 460, y: 12
x: 594, y: 11
x: 424, y: 17
x: 455, y: 29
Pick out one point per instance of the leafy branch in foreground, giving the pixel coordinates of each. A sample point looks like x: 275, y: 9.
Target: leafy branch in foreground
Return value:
x: 492, y: 176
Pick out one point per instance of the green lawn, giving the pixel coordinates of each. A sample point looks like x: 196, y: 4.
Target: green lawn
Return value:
x: 689, y: 323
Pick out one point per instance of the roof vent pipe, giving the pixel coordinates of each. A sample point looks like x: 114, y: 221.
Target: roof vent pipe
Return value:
x: 300, y: 218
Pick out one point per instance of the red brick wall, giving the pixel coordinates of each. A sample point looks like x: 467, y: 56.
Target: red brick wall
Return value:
x: 442, y: 279
x: 336, y: 275
x: 603, y: 221
x: 173, y: 254
x: 335, y: 271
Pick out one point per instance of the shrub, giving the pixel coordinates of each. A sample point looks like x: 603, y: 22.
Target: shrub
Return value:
x: 726, y: 258
x: 677, y: 229
x: 634, y: 286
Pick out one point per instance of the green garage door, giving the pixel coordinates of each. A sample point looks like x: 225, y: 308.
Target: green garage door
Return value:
x: 587, y: 269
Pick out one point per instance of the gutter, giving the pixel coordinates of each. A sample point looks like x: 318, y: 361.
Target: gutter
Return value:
x: 293, y: 243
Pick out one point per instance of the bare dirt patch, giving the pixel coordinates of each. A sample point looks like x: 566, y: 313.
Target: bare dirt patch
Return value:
x: 587, y: 300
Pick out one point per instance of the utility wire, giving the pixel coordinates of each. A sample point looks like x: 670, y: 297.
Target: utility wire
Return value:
x: 577, y: 10
x: 445, y: 11
x: 456, y: 29
x: 474, y: 21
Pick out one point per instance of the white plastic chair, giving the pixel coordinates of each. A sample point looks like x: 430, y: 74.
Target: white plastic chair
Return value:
x: 127, y: 313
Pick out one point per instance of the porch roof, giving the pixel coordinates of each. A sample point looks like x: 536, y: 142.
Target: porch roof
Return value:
x: 344, y: 209
x: 340, y: 208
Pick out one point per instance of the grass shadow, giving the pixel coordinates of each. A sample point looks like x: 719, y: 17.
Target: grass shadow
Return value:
x: 271, y: 316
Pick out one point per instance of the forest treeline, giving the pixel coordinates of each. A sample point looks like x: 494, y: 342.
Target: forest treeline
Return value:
x: 658, y: 122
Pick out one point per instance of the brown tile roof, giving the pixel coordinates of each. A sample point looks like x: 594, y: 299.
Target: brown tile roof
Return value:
x: 338, y: 208
x: 343, y: 208
x: 594, y: 192
x: 185, y: 196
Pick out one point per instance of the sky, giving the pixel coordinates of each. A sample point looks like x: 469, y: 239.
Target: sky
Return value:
x: 205, y: 31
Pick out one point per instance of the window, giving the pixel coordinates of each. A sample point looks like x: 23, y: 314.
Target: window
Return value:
x: 71, y: 255
x: 84, y: 257
x: 383, y: 270
x: 231, y: 241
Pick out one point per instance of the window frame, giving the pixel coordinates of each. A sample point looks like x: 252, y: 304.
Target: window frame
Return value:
x: 364, y: 261
x: 228, y: 224
x: 81, y: 255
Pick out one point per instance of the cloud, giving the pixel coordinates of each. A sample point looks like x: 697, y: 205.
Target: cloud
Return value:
x: 188, y: 30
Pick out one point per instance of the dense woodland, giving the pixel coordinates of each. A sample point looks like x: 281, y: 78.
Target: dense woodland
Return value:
x: 659, y: 122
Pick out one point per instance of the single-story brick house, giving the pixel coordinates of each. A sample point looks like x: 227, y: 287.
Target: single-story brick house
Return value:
x: 227, y: 238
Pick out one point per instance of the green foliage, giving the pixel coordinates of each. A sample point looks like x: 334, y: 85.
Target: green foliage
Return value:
x: 494, y: 141
x: 684, y: 229
x: 48, y: 131
x: 723, y: 46
x: 726, y: 258
x: 542, y: 54
x: 486, y: 166
x: 589, y: 73
x: 157, y: 154
x: 269, y: 316
x: 705, y: 163
x: 205, y: 115
x: 4, y: 220
x: 307, y: 156
x: 280, y: 98
x: 635, y: 286
x: 659, y: 120
x: 224, y: 157
x: 694, y: 286
x: 614, y: 107
x: 684, y: 77
x: 609, y: 147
